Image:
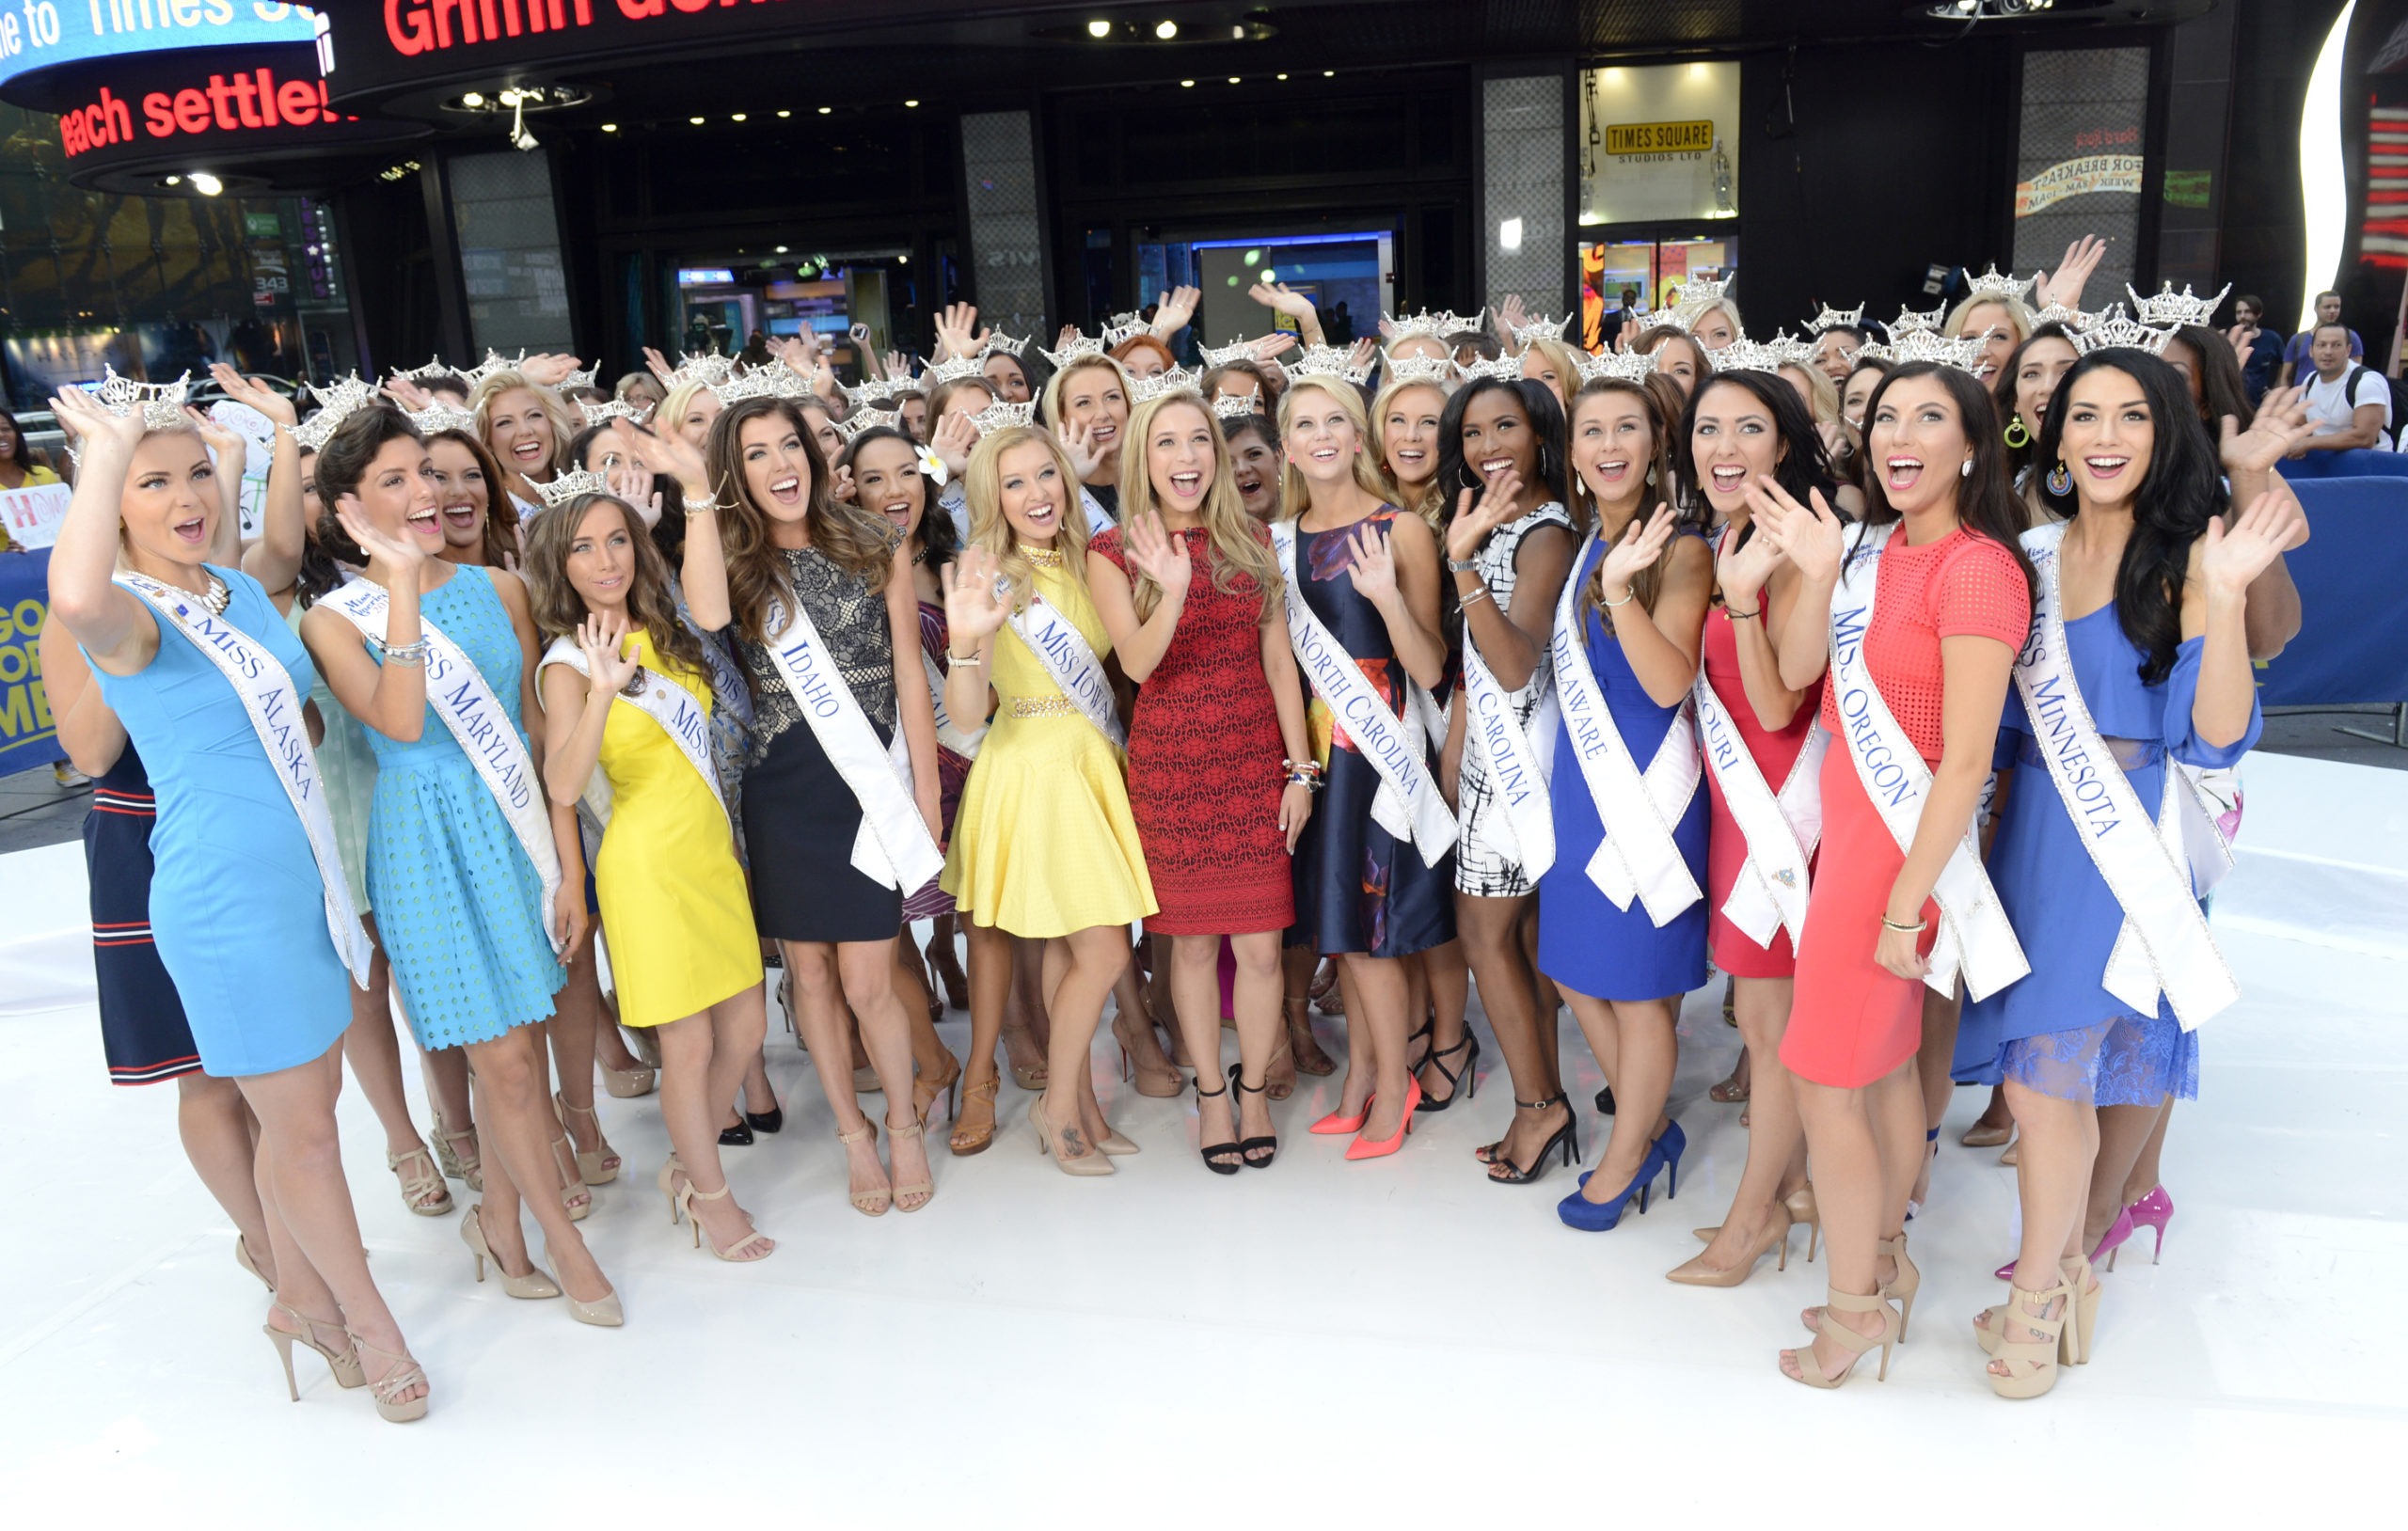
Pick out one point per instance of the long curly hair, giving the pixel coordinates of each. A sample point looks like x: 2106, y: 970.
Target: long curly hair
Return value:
x: 558, y: 608
x: 503, y: 536
x: 855, y: 541
x: 2181, y: 486
x: 982, y: 483
x: 1241, y: 557
x: 1986, y: 502
x: 1660, y: 425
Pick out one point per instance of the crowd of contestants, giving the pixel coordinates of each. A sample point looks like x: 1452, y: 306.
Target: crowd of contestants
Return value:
x: 560, y: 726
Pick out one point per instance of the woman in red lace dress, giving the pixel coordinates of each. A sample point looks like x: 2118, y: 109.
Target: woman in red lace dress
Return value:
x: 1189, y: 591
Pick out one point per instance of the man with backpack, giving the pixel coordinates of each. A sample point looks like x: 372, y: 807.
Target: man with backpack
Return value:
x: 2349, y: 405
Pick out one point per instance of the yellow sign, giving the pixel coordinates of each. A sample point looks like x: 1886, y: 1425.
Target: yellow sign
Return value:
x: 1659, y: 138
x: 2077, y: 176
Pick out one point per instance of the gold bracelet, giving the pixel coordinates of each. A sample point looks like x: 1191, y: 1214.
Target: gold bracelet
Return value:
x: 1915, y: 929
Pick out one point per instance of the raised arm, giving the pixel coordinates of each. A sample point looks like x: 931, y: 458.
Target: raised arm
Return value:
x: 389, y: 698
x: 2225, y: 563
x: 112, y: 623
x: 1396, y: 571
x: 1760, y: 591
x: 1814, y: 540
x: 1140, y: 645
x: 1509, y: 643
x: 2273, y: 617
x: 1661, y: 644
x: 972, y: 617
x: 275, y: 559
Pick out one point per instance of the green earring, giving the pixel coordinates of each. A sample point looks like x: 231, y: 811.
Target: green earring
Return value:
x: 2017, y: 436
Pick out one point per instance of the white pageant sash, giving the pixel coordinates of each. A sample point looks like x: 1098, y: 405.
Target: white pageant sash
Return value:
x: 1973, y: 931
x: 1513, y: 759
x: 892, y: 848
x: 2164, y: 943
x: 949, y: 734
x: 1637, y: 858
x: 459, y: 694
x: 1781, y: 828
x: 1408, y: 805
x: 665, y: 702
x: 1067, y: 656
x: 260, y: 679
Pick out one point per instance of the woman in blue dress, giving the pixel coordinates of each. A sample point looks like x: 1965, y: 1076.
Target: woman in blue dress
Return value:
x: 1639, y: 592
x: 2151, y: 588
x: 239, y: 902
x: 459, y: 901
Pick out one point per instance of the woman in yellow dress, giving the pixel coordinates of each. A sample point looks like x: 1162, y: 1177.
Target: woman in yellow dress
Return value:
x: 625, y: 688
x: 1044, y: 846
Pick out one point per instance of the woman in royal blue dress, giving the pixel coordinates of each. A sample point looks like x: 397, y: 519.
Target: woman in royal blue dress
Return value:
x: 247, y: 898
x: 2143, y: 593
x: 457, y: 858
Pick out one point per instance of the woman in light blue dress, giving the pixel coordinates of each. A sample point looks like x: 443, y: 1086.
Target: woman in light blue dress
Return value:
x: 238, y: 909
x: 459, y: 904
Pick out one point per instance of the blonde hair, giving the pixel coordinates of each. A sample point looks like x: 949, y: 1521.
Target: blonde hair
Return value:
x: 982, y: 483
x: 1432, y: 505
x: 671, y: 415
x: 1560, y: 357
x: 1050, y: 409
x: 1241, y: 560
x: 1295, y: 493
x: 564, y: 423
x: 1822, y: 394
x: 1730, y: 311
x: 2019, y: 317
x: 941, y: 399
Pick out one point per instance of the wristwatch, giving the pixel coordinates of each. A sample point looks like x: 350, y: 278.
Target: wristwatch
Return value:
x: 1463, y: 565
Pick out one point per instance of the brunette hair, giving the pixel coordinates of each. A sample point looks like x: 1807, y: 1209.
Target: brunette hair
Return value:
x: 1985, y: 502
x: 2003, y: 388
x: 2221, y: 389
x: 1545, y: 417
x: 342, y: 461
x: 755, y: 573
x: 1266, y: 389
x: 1663, y: 334
x: 1688, y: 511
x: 937, y: 535
x: 558, y: 608
x: 1240, y: 550
x: 2181, y: 487
x: 1802, y: 468
x: 669, y: 532
x: 502, y: 534
x: 940, y: 397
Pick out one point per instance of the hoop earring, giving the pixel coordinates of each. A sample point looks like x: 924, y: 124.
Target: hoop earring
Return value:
x: 2018, y: 435
x: 1471, y: 480
x: 2060, y: 479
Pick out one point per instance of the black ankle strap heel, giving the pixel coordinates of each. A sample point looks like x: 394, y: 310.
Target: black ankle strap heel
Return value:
x: 1248, y: 1147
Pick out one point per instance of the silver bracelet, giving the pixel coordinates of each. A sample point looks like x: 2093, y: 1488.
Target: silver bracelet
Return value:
x: 1478, y: 593
x: 406, y: 653
x: 1625, y: 600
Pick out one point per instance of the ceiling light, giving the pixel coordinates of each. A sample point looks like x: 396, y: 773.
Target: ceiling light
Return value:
x: 910, y: 103
x: 205, y: 184
x: 737, y: 117
x: 902, y: 259
x: 173, y: 180
x: 1166, y: 30
x: 785, y: 114
x: 609, y: 127
x: 472, y: 99
x: 781, y: 249
x: 1283, y: 76
x: 1098, y: 29
x: 1186, y: 83
x: 696, y: 120
x: 1233, y: 79
x: 824, y: 110
x: 1329, y: 74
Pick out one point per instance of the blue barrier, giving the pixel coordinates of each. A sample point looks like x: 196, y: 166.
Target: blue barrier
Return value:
x: 2361, y: 462
x: 28, y: 736
x: 2353, y: 646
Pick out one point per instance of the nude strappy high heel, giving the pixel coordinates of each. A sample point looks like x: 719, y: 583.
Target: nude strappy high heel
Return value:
x: 868, y: 1203
x: 739, y: 1253
x: 469, y: 1167
x: 2032, y: 1365
x: 1809, y: 1371
x: 574, y: 1199
x: 343, y: 1363
x: 395, y: 1383
x: 422, y: 1188
x: 534, y: 1284
x: 2084, y: 1329
x: 911, y: 1197
x: 600, y: 1167
x: 1901, y: 1288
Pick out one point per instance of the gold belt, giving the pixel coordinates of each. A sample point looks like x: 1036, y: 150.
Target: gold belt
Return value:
x: 1052, y: 706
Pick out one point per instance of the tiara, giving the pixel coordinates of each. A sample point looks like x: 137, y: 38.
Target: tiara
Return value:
x: 1236, y: 406
x: 1221, y: 356
x: 494, y: 362
x: 1332, y: 361
x: 708, y: 370
x: 788, y: 383
x: 1000, y: 342
x: 1784, y: 348
x: 1675, y: 318
x: 1076, y: 346
x: 616, y: 409
x: 1928, y: 345
x: 1540, y: 330
x: 755, y: 384
x: 1419, y: 369
x: 940, y: 372
x: 1699, y: 294
x: 1143, y: 389
x: 1909, y: 320
x: 2168, y: 310
x: 1437, y: 326
x: 438, y: 418
x: 436, y: 368
x: 1746, y: 356
x: 1002, y: 415
x: 337, y: 403
x: 2118, y: 328
x: 582, y: 377
x: 2074, y: 320
x: 1504, y: 369
x: 862, y: 395
x: 1126, y: 326
x: 1990, y: 286
x: 1831, y: 318
x: 567, y: 486
x: 1630, y: 366
x: 861, y: 420
x: 161, y: 404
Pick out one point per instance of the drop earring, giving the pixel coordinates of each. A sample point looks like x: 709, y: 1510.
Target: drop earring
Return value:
x: 2018, y: 435
x: 1965, y: 468
x: 2060, y: 479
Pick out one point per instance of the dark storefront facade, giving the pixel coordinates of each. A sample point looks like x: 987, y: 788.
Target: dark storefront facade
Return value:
x: 601, y: 175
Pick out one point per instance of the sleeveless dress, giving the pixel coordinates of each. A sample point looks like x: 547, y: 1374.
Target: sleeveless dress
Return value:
x: 952, y: 771
x: 1044, y: 842
x: 1775, y: 752
x: 144, y: 1034
x: 1359, y: 889
x: 1585, y: 943
x: 348, y: 767
x: 1483, y: 868
x: 799, y: 818
x: 1204, y: 754
x: 1852, y: 1021
x: 2057, y: 1029
x: 672, y: 896
x: 236, y: 908
x: 457, y: 900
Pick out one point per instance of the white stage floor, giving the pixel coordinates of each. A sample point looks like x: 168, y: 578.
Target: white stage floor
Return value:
x: 1393, y: 1342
